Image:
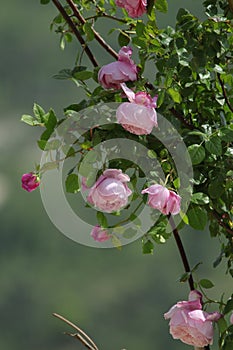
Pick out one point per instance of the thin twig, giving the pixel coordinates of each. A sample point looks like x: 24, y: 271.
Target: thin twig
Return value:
x: 181, y: 117
x: 224, y: 92
x: 76, y: 32
x: 81, y: 335
x: 221, y: 222
x: 98, y: 37
x: 182, y: 251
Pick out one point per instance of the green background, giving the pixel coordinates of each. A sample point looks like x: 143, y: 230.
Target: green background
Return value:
x: 118, y: 297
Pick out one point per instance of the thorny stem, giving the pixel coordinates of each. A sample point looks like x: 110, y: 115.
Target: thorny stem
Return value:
x: 76, y: 32
x: 99, y: 38
x: 81, y: 335
x: 224, y: 90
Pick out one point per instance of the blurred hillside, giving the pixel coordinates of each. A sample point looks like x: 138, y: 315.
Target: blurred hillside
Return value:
x: 117, y: 297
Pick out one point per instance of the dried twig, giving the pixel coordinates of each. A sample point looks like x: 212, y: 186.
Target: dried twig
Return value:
x: 80, y: 335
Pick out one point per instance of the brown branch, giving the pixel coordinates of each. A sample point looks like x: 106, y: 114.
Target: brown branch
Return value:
x: 98, y: 37
x: 76, y: 32
x: 181, y: 251
x: 181, y: 117
x: 230, y: 2
x: 222, y: 223
x: 81, y: 335
x: 224, y: 92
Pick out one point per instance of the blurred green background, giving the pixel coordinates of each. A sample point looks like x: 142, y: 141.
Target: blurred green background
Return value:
x: 118, y: 297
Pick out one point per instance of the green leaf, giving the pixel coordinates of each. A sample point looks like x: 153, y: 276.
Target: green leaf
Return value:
x: 51, y: 121
x: 123, y: 39
x: 214, y: 146
x: 197, y: 153
x: 200, y: 198
x: 49, y: 166
x: 87, y: 27
x: 44, y: 2
x: 222, y: 325
x: 147, y: 247
x: 161, y: 5
x: 102, y: 220
x: 28, y: 119
x: 229, y: 306
x: 184, y: 277
x: 72, y: 183
x: 151, y: 154
x: 83, y: 75
x: 205, y: 283
x: 38, y: 112
x: 129, y: 233
x: 197, y: 218
x: 175, y: 95
x: 161, y: 98
x: 226, y: 134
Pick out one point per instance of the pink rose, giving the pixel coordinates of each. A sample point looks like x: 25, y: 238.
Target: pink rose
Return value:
x: 110, y: 192
x: 137, y: 116
x: 166, y: 201
x: 135, y: 8
x: 99, y: 234
x: 112, y: 74
x: 30, y: 182
x: 231, y: 318
x: 190, y: 324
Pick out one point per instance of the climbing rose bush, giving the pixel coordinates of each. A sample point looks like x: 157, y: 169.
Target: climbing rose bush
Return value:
x: 113, y: 74
x: 135, y: 8
x: 190, y: 324
x: 166, y: 201
x: 30, y: 181
x: 137, y: 116
x: 110, y: 192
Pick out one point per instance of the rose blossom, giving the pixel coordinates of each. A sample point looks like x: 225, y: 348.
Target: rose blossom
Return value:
x: 135, y: 8
x: 137, y: 116
x: 112, y: 74
x: 166, y: 201
x: 110, y: 192
x: 99, y: 234
x: 30, y: 182
x: 189, y: 323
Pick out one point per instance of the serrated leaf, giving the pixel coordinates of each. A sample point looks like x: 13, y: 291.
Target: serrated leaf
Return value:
x: 72, y: 183
x: 197, y: 218
x: 214, y: 145
x: 197, y: 153
x: 205, y: 283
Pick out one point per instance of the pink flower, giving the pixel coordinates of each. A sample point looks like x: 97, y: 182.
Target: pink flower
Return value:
x: 112, y: 74
x: 30, y: 182
x: 190, y: 324
x: 166, y: 201
x: 231, y: 318
x: 110, y: 192
x: 137, y: 116
x: 135, y: 8
x: 99, y: 234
